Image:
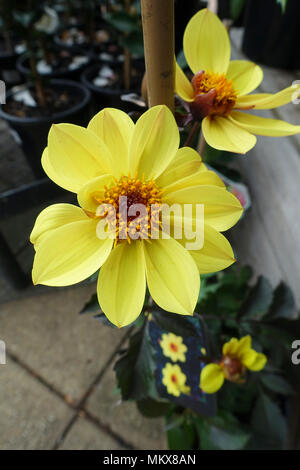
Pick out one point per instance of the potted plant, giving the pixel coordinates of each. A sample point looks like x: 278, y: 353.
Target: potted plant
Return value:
x: 11, y: 46
x: 111, y: 79
x: 30, y: 109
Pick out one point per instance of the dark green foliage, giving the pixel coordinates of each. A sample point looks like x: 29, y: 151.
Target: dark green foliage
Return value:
x: 135, y: 369
x: 250, y: 415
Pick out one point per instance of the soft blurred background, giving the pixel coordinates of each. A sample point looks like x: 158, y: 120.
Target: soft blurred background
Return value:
x: 62, y: 61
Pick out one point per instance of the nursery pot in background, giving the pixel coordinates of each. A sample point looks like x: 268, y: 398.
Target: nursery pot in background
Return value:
x: 70, y: 73
x: 272, y: 36
x: 110, y: 96
x: 33, y: 131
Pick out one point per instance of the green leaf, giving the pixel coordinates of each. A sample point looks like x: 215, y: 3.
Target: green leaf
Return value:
x: 177, y: 324
x: 92, y: 306
x: 291, y: 328
x: 283, y: 305
x: 226, y: 439
x: 182, y: 437
x: 181, y: 60
x: 259, y: 300
x: 221, y: 434
x: 135, y: 369
x: 122, y: 21
x: 153, y: 408
x: 134, y: 43
x: 276, y: 384
x: 236, y: 8
x: 283, y: 4
x: 268, y: 424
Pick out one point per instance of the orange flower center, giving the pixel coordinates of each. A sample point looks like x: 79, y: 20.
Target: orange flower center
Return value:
x: 132, y: 204
x: 214, y: 95
x: 174, y: 347
x: 232, y: 367
x: 174, y: 378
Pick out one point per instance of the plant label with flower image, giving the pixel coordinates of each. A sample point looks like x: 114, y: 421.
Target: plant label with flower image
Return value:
x: 179, y: 360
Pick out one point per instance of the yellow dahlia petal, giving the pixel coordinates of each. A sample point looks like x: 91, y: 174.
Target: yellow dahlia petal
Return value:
x: 122, y: 284
x: 269, y: 100
x: 69, y: 254
x: 115, y: 128
x: 221, y: 208
x: 223, y: 134
x: 183, y: 86
x: 245, y: 75
x: 216, y: 253
x: 185, y: 163
x: 254, y: 361
x: 172, y: 276
x: 244, y: 345
x: 74, y: 156
x: 212, y: 378
x: 230, y: 347
x: 263, y: 126
x: 93, y: 191
x: 53, y: 217
x: 154, y: 143
x: 206, y: 43
x: 198, y: 178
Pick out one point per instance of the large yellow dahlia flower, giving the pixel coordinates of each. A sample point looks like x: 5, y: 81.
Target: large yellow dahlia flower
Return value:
x: 93, y: 163
x: 238, y: 356
x: 219, y: 89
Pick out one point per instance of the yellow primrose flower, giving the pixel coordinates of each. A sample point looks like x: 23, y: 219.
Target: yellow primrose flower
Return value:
x: 174, y: 380
x: 173, y: 347
x: 220, y: 89
x: 91, y: 162
x: 238, y: 356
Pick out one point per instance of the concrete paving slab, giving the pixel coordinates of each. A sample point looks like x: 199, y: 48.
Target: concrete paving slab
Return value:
x: 31, y: 417
x: 84, y: 435
x: 123, y: 418
x: 66, y: 349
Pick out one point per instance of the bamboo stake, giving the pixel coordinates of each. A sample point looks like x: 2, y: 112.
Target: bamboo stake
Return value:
x: 158, y: 32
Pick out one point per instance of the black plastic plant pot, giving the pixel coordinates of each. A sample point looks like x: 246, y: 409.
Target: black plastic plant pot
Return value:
x: 23, y: 67
x: 109, y: 97
x: 33, y: 131
x: 271, y: 36
x: 8, y: 59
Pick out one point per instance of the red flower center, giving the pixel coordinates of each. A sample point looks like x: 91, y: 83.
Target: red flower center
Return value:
x: 214, y: 95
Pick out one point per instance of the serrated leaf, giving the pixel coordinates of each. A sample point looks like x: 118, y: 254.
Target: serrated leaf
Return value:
x: 258, y: 300
x: 221, y: 434
x: 268, y: 425
x: 135, y: 369
x: 92, y: 306
x: 226, y: 439
x: 283, y: 305
x: 276, y: 384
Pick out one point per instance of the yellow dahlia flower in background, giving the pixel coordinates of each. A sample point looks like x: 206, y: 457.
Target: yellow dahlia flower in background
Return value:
x: 238, y: 356
x: 220, y: 89
x: 173, y: 347
x: 174, y: 380
x: 92, y: 163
